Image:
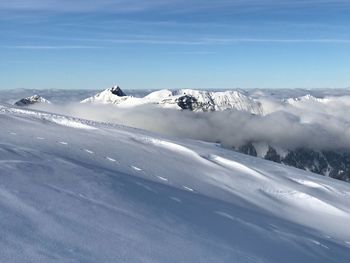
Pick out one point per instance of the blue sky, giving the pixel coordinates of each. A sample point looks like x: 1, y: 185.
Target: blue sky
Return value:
x: 158, y: 44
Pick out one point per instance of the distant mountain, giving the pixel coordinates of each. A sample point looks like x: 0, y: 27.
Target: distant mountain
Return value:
x: 112, y: 95
x: 31, y: 100
x: 305, y: 98
x: 185, y: 99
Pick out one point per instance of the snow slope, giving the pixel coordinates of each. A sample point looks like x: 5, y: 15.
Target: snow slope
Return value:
x: 78, y: 191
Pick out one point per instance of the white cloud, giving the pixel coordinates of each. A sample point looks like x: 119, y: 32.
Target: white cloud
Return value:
x: 309, y: 124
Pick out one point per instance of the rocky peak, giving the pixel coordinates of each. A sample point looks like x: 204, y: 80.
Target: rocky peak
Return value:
x: 115, y: 90
x: 31, y: 100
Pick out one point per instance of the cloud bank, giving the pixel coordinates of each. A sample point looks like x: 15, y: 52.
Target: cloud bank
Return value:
x: 309, y: 124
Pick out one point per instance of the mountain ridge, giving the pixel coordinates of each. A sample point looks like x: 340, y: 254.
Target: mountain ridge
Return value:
x: 195, y: 100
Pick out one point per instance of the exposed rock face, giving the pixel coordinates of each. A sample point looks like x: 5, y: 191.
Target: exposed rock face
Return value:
x: 327, y: 163
x: 117, y: 91
x: 31, y: 100
x: 187, y: 102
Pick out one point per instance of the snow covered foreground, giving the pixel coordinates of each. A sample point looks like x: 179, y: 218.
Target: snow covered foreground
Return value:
x: 77, y: 191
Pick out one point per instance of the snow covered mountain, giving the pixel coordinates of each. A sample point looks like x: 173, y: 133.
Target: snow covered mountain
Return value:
x: 112, y: 95
x: 195, y: 100
x: 73, y: 190
x: 31, y: 100
x: 306, y: 98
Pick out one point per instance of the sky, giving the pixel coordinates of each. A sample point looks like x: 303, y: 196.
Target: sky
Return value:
x: 158, y: 44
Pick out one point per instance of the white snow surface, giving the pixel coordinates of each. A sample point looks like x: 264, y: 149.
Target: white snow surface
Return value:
x: 116, y: 194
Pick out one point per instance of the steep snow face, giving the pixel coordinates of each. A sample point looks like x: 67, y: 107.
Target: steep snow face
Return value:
x: 116, y: 194
x: 31, y: 100
x: 184, y: 99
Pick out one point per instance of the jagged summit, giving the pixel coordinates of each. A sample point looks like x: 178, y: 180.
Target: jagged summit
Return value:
x: 31, y: 100
x: 113, y: 95
x: 115, y: 90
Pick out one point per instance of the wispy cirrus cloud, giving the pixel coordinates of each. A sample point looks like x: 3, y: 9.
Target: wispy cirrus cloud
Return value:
x: 86, y: 43
x: 79, y: 5
x: 278, y: 40
x: 48, y: 47
x: 173, y: 5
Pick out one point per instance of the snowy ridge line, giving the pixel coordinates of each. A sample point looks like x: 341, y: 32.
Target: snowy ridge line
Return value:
x: 10, y: 109
x: 55, y: 118
x: 236, y: 166
x: 172, y: 147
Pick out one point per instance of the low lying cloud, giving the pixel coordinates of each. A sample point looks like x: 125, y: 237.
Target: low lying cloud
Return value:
x: 308, y: 124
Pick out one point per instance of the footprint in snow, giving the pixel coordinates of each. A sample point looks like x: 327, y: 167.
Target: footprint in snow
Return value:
x: 63, y: 143
x: 111, y: 159
x: 88, y: 151
x: 162, y: 178
x: 188, y: 188
x: 136, y: 168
